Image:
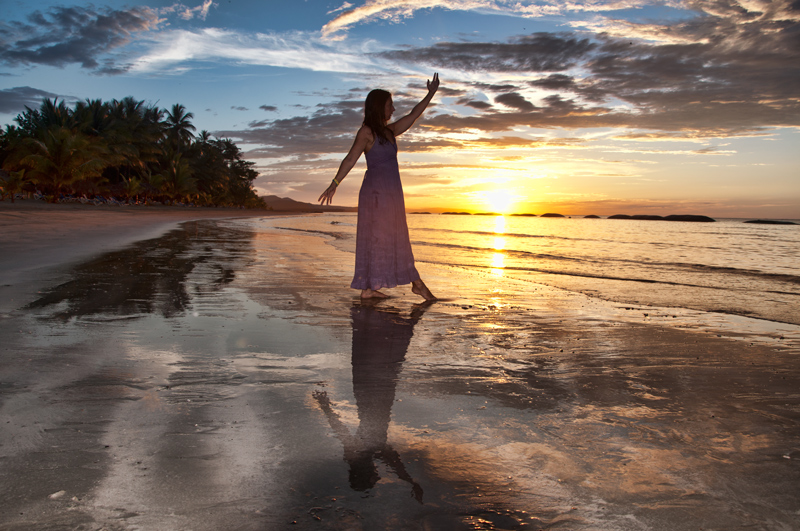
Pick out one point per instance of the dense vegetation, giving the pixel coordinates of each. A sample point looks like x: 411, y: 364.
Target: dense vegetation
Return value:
x: 124, y: 149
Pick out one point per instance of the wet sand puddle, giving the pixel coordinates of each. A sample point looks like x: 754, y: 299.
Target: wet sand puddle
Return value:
x: 221, y: 377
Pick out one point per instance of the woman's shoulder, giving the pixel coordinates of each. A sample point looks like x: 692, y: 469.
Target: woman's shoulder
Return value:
x: 366, y: 132
x: 365, y: 137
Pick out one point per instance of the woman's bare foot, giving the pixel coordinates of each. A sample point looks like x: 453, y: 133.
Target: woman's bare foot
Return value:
x: 373, y: 294
x: 419, y: 287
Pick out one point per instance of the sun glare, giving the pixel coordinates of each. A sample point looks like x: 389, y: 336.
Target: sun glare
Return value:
x: 499, y: 201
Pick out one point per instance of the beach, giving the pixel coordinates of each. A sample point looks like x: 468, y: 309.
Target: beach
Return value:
x: 206, y: 369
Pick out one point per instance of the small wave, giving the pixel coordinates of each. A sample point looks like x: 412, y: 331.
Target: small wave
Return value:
x: 753, y: 273
x: 590, y: 275
x: 504, y: 234
x: 677, y: 267
x: 523, y: 254
x: 334, y: 235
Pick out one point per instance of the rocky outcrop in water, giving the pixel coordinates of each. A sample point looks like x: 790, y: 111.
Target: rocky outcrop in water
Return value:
x: 771, y: 222
x: 679, y: 217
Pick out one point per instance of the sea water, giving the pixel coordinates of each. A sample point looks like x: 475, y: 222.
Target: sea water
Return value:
x: 727, y: 266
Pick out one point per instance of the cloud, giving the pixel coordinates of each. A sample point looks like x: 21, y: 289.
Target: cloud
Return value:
x: 398, y: 10
x: 540, y: 52
x: 14, y: 100
x: 62, y: 36
x: 475, y: 104
x: 343, y: 7
x: 555, y: 82
x: 268, y: 108
x: 733, y: 71
x: 515, y: 101
x: 330, y: 129
x: 188, y: 13
x: 239, y: 108
x: 287, y: 50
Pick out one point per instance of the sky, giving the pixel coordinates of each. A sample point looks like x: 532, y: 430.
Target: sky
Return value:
x: 577, y: 107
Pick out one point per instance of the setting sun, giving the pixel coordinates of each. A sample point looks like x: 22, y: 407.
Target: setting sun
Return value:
x: 498, y: 200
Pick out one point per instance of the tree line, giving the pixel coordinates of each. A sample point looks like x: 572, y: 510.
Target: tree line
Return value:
x: 125, y: 149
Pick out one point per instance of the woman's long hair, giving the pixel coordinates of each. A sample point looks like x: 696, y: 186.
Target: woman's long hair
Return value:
x: 374, y: 115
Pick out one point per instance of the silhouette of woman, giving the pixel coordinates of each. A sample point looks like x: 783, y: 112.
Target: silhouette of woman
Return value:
x: 383, y: 250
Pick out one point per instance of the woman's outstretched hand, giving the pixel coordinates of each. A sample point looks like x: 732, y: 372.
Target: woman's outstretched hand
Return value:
x: 327, y: 196
x: 433, y: 85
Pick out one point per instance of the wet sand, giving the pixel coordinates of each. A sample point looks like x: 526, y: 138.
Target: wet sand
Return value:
x: 36, y: 237
x: 217, y: 377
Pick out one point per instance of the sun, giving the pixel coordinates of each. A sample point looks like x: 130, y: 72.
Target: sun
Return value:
x: 498, y: 200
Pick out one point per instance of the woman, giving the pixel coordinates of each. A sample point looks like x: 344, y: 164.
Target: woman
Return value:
x: 383, y: 249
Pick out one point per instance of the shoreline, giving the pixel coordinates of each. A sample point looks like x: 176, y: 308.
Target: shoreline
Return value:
x: 37, y: 237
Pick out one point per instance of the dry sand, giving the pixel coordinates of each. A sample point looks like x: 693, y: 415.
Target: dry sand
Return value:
x: 222, y: 378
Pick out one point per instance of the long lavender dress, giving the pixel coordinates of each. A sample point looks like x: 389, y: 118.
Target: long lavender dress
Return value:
x: 383, y: 250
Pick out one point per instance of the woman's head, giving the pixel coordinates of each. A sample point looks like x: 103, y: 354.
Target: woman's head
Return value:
x: 378, y: 109
x: 375, y: 105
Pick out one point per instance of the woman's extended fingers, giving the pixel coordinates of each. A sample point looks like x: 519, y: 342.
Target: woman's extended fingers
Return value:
x: 327, y: 196
x: 434, y: 84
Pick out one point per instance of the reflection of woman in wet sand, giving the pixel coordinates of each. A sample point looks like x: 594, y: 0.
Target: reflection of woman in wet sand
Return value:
x: 383, y: 249
x: 380, y: 342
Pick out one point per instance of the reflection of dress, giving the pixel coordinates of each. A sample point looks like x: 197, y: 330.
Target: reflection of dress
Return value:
x: 383, y: 249
x: 380, y: 342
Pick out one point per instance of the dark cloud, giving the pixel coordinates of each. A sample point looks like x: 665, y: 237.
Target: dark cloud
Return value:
x: 515, y: 101
x: 268, y: 108
x: 540, y: 52
x: 72, y: 35
x: 14, y: 100
x: 475, y: 104
x: 330, y: 129
x: 488, y: 87
x: 555, y: 82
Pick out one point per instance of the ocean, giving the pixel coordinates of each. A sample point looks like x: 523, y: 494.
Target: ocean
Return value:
x: 726, y: 267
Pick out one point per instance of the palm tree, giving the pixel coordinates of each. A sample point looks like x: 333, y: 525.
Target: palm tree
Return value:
x: 50, y: 113
x: 126, y: 146
x: 92, y: 117
x: 179, y: 182
x: 60, y: 159
x: 152, y: 184
x: 179, y: 126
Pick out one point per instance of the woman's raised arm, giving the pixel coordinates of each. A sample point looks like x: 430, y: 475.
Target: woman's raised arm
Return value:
x: 403, y: 124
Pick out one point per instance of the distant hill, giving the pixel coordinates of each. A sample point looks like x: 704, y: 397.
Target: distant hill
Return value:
x: 285, y: 204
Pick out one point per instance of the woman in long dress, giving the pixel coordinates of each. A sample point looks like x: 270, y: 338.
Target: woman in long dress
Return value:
x: 383, y: 249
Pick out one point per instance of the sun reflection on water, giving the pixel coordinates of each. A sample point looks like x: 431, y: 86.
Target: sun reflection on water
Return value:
x: 500, y: 225
x: 497, y: 263
x: 498, y: 258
